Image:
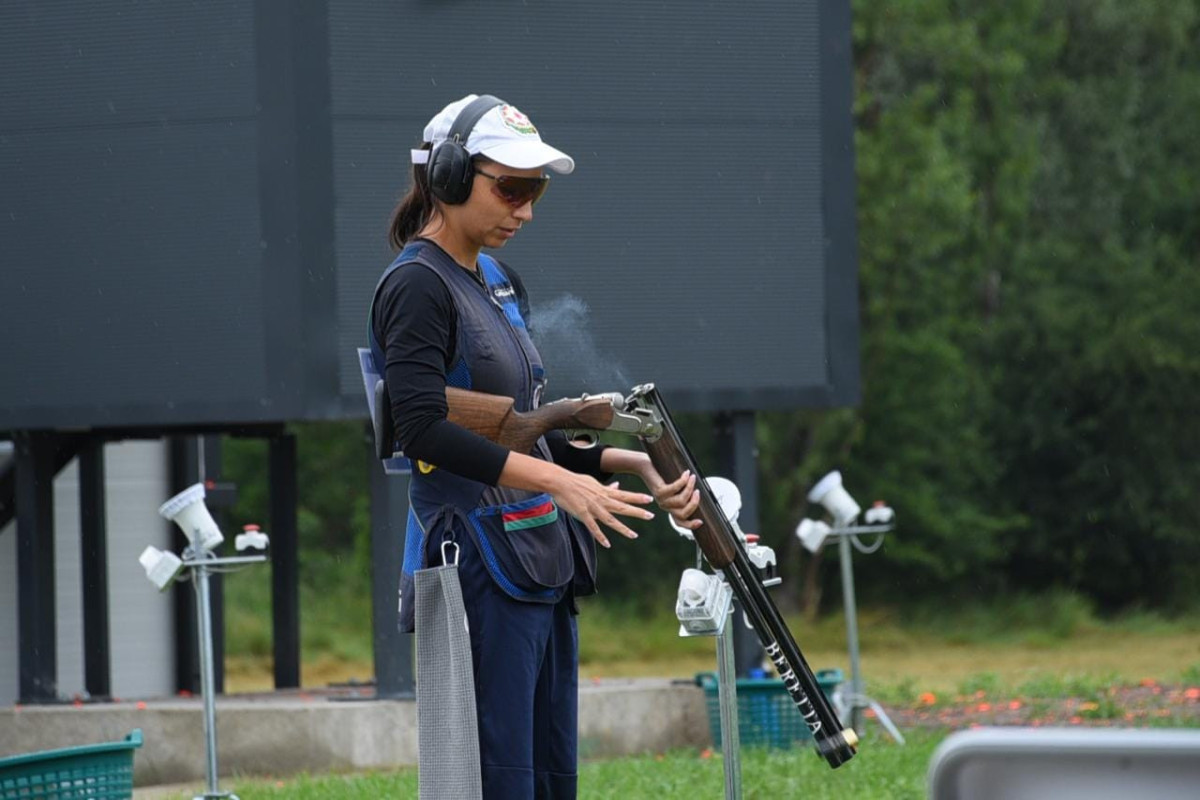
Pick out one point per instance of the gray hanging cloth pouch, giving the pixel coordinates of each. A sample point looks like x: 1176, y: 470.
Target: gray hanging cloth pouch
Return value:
x: 447, y: 732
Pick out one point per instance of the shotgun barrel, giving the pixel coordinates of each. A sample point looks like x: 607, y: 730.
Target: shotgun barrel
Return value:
x: 723, y: 549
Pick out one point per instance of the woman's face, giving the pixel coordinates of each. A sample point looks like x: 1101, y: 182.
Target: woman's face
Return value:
x: 487, y: 218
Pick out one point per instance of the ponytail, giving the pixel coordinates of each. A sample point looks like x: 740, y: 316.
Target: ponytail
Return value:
x: 414, y: 209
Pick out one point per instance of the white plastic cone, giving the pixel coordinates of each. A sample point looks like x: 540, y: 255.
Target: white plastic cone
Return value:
x: 188, y: 511
x: 830, y: 493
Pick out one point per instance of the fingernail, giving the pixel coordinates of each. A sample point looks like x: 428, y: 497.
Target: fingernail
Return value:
x: 649, y: 515
x: 605, y: 543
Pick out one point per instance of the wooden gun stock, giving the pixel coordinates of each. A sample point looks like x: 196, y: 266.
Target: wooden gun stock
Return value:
x: 493, y: 417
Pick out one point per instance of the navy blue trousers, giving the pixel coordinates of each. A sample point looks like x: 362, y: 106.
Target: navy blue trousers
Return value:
x: 526, y: 662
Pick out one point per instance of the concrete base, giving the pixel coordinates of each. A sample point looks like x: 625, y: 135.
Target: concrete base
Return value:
x: 287, y: 733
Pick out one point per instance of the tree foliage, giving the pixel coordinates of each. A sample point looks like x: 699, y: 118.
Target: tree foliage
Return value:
x: 1027, y: 198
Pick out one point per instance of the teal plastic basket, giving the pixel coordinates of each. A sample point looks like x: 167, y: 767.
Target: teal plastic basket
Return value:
x: 767, y: 715
x: 101, y: 771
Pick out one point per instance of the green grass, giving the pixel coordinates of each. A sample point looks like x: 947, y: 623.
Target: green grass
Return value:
x: 1190, y: 675
x: 1049, y: 686
x: 335, y: 624
x: 335, y: 611
x: 881, y: 770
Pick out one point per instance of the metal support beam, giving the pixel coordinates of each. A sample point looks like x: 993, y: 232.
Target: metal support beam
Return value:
x: 285, y: 563
x: 97, y: 661
x: 210, y: 472
x: 184, y: 461
x: 8, y: 487
x: 36, y: 633
x: 65, y: 447
x: 389, y: 513
x: 737, y: 453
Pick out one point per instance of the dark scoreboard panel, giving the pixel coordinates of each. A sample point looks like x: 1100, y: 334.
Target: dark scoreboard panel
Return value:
x: 194, y: 198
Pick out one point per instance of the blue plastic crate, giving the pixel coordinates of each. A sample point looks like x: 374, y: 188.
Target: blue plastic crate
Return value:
x: 767, y: 715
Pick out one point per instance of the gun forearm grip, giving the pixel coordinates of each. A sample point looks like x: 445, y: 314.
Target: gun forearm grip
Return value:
x: 670, y: 462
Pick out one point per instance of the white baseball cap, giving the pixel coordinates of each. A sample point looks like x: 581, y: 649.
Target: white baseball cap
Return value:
x: 503, y: 134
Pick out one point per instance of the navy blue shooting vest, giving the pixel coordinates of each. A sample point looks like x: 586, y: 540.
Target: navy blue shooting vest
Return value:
x: 532, y: 550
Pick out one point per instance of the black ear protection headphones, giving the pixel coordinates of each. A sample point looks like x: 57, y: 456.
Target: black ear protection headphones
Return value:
x: 449, y: 168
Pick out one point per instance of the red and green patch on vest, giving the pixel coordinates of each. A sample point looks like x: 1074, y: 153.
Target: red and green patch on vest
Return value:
x: 542, y: 514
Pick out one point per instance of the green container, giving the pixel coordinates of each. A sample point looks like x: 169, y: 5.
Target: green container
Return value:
x: 767, y: 715
x: 102, y: 771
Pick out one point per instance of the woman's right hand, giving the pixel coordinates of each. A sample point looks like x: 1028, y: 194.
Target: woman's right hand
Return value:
x: 595, y: 504
x: 581, y: 496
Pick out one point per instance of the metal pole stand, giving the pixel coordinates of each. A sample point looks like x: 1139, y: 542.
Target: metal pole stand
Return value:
x: 731, y: 744
x: 201, y: 564
x: 716, y: 623
x: 858, y: 699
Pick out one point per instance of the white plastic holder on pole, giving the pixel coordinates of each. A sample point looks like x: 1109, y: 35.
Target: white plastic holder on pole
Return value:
x: 200, y: 563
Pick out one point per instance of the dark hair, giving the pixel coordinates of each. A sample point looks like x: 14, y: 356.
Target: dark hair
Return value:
x: 414, y: 209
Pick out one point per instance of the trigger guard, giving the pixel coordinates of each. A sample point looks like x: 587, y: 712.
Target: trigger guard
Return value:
x: 584, y: 440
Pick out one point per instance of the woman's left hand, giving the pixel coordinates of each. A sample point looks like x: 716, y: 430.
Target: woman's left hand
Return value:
x: 679, y: 498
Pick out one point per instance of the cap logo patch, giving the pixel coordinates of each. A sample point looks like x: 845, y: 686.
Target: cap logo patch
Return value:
x: 517, y: 121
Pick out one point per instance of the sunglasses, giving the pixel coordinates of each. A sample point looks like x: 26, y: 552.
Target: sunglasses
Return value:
x: 516, y: 190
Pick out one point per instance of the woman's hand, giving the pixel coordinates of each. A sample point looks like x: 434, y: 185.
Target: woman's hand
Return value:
x: 593, y: 504
x: 581, y: 496
x: 680, y: 498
